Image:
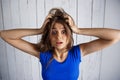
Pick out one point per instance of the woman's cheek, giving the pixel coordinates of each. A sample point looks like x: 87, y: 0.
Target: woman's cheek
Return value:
x: 53, y: 42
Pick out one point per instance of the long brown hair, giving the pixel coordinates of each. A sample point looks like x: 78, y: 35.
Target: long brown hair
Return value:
x: 58, y: 17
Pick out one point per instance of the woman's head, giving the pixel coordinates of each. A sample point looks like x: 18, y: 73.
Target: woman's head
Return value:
x: 57, y: 32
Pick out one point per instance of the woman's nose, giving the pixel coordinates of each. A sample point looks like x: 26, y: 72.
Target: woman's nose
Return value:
x: 59, y: 36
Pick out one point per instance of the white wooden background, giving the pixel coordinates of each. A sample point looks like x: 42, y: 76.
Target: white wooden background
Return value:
x: 17, y: 65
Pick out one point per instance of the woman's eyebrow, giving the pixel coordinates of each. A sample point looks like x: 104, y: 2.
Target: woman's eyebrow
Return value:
x: 53, y: 28
x: 56, y: 28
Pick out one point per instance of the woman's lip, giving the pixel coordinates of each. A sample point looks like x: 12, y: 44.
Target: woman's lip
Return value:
x: 59, y: 42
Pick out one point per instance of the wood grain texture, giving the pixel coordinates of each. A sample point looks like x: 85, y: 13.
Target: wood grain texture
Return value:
x: 101, y: 65
x: 110, y: 67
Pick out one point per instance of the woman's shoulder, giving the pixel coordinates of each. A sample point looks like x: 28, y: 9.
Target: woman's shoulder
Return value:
x: 45, y: 56
x: 75, y: 52
x: 75, y: 47
x: 46, y: 53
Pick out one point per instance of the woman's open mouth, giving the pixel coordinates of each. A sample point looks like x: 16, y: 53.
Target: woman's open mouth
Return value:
x: 59, y: 43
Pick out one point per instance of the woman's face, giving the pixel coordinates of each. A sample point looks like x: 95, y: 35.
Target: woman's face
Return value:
x: 58, y: 37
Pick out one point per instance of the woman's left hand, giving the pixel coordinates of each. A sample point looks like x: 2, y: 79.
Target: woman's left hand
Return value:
x: 71, y: 23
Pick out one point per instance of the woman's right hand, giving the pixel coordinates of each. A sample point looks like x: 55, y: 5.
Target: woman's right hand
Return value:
x: 47, y: 19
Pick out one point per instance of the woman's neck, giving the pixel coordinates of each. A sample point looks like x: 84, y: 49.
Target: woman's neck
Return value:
x: 59, y: 54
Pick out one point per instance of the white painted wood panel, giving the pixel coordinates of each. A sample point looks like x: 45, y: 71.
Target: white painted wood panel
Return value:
x: 97, y: 20
x: 110, y: 67
x: 17, y: 65
x: 25, y: 19
x: 38, y: 18
x: 3, y: 61
x: 7, y: 58
x: 84, y: 21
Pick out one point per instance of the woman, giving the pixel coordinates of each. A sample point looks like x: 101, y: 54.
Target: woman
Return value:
x: 59, y: 58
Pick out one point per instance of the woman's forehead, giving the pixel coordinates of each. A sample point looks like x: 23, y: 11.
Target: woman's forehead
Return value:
x: 58, y: 25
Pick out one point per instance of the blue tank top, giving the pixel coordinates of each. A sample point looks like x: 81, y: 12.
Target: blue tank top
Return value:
x: 67, y: 70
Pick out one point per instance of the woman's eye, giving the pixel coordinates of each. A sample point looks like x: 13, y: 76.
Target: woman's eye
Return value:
x: 64, y: 32
x: 54, y: 32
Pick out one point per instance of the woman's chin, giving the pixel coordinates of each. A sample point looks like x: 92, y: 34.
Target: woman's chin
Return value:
x: 60, y: 47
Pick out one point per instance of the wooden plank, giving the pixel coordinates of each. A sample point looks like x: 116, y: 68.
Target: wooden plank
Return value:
x: 28, y: 20
x: 14, y: 71
x: 84, y: 18
x: 91, y: 15
x: 84, y: 21
x: 9, y: 52
x: 12, y: 20
x: 3, y: 61
x: 110, y: 68
x: 2, y: 44
x: 33, y: 8
x: 40, y: 17
x: 97, y: 21
x: 17, y: 66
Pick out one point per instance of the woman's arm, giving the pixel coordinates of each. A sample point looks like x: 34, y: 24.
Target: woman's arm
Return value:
x: 14, y: 38
x: 19, y: 33
x: 106, y: 37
